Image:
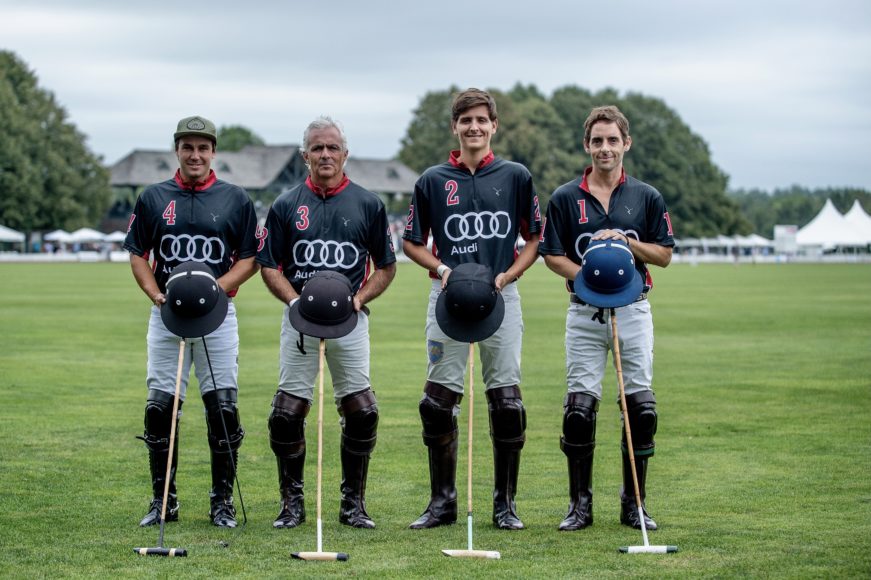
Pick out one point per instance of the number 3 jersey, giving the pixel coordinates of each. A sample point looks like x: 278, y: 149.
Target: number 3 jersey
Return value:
x: 213, y: 222
x: 474, y: 217
x: 339, y: 229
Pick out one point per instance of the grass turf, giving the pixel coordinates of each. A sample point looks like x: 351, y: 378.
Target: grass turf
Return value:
x: 763, y: 463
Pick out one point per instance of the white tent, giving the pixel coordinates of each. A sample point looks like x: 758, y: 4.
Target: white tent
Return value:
x: 116, y: 236
x: 754, y: 241
x: 860, y: 219
x: 10, y: 235
x: 829, y: 229
x: 86, y: 235
x: 61, y: 236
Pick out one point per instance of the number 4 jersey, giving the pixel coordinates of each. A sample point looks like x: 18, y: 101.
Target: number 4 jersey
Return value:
x: 212, y: 222
x: 474, y: 217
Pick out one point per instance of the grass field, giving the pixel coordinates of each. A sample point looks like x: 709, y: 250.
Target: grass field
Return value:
x: 762, y: 469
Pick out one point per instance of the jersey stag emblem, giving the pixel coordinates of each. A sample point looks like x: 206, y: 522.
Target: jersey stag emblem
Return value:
x: 186, y: 248
x: 325, y: 254
x: 477, y: 225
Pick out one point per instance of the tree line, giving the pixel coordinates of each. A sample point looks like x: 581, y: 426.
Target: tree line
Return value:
x: 50, y: 179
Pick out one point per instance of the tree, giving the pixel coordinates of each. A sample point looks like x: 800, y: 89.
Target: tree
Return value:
x: 235, y: 137
x: 48, y: 177
x: 546, y: 135
x: 794, y: 205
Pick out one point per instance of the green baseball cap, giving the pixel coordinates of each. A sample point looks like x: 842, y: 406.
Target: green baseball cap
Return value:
x: 197, y: 126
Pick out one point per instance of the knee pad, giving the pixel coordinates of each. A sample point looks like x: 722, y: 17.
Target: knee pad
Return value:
x: 579, y: 425
x: 439, y: 408
x: 642, y: 421
x: 221, y: 411
x: 359, y: 413
x: 507, y: 417
x: 287, y: 425
x: 158, y: 420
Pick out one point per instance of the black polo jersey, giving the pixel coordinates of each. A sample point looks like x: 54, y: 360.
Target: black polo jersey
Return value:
x: 339, y: 230
x: 636, y: 209
x: 212, y: 222
x: 474, y: 217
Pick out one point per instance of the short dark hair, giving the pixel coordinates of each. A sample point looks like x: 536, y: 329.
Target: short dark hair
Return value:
x: 471, y: 98
x: 606, y: 114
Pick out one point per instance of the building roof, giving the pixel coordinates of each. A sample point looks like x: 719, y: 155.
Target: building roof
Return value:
x: 254, y: 167
x: 257, y: 167
x: 381, y: 175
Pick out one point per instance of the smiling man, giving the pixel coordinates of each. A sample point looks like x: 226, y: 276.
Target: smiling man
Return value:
x: 327, y: 223
x: 475, y: 205
x: 606, y: 204
x: 193, y: 217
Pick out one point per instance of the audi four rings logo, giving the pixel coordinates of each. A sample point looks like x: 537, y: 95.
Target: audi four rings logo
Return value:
x: 186, y: 248
x: 325, y: 254
x: 474, y: 225
x: 584, y: 239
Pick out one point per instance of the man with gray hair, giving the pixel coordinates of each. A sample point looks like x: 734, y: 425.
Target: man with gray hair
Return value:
x: 327, y: 223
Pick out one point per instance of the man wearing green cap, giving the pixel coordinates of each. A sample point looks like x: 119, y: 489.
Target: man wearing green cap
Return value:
x: 193, y: 217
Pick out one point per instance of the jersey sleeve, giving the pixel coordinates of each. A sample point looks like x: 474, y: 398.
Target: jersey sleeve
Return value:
x: 271, y: 252
x: 248, y: 219
x: 139, y: 240
x: 417, y: 223
x: 551, y: 238
x: 659, y: 221
x: 530, y: 223
x: 380, y: 241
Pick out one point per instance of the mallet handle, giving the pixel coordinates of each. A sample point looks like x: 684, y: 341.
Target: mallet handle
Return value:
x: 624, y: 408
x: 172, y: 426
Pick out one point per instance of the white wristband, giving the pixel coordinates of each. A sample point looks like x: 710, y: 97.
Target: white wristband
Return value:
x: 441, y: 270
x: 292, y: 302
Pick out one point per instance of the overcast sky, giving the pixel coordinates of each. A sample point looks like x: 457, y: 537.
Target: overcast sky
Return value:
x: 778, y: 89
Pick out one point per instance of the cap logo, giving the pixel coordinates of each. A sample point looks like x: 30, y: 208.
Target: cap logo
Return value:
x: 196, y: 125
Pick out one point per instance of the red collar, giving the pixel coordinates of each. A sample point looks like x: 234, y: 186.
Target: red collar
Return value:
x: 454, y: 159
x: 327, y: 191
x: 198, y: 185
x: 589, y: 170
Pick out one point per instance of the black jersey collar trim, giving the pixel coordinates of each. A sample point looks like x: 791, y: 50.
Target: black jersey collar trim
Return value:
x: 327, y: 191
x: 454, y: 159
x: 585, y: 186
x: 198, y: 185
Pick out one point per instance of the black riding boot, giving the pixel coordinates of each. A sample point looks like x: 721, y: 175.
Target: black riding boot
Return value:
x: 222, y: 511
x: 287, y: 439
x: 158, y: 410
x: 352, y: 511
x: 628, y: 506
x: 439, y: 408
x: 580, y: 494
x: 442, y: 508
x: 506, y: 463
x: 290, y: 484
x: 359, y: 413
x: 157, y: 463
x: 508, y: 432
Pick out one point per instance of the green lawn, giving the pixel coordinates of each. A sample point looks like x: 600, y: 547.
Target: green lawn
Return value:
x: 763, y: 463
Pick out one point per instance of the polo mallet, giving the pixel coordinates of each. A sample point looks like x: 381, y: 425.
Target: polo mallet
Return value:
x: 646, y: 548
x: 320, y: 554
x: 227, y: 437
x: 469, y: 552
x: 160, y: 550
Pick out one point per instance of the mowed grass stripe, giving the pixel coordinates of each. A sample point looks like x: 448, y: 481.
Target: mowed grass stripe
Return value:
x: 763, y: 378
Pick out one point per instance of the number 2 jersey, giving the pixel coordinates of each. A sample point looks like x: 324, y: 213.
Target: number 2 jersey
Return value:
x: 211, y: 222
x: 338, y: 229
x: 474, y: 217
